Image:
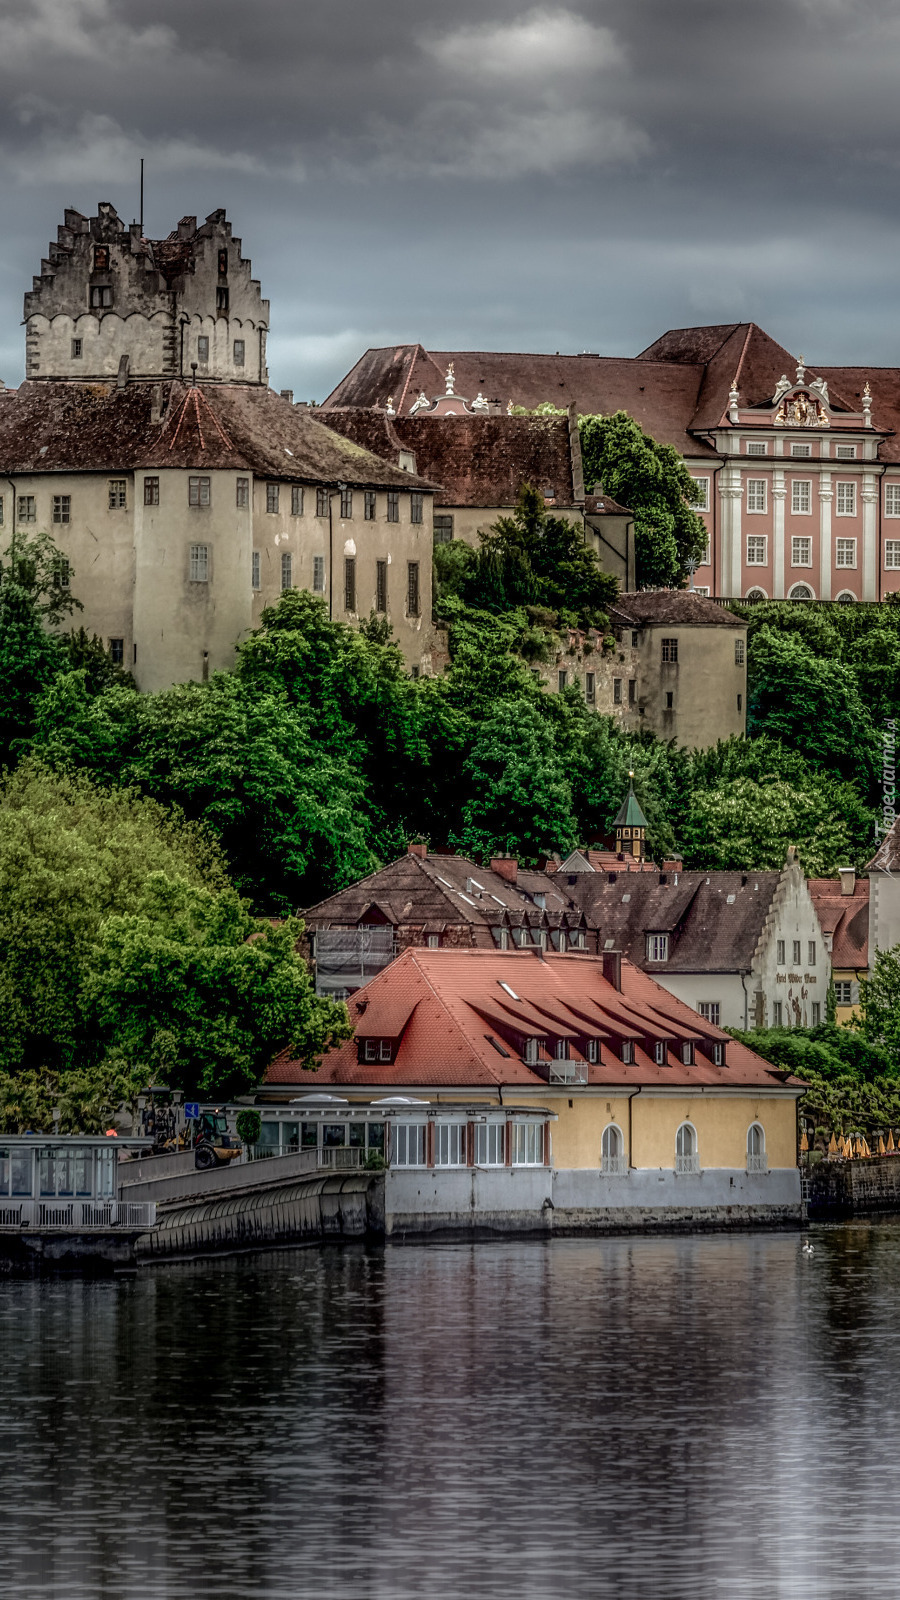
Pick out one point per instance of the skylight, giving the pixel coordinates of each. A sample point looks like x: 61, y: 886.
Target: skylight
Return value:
x: 511, y: 992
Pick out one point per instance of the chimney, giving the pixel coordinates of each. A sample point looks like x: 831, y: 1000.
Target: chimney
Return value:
x: 505, y: 867
x: 848, y: 879
x: 417, y: 847
x: 288, y: 395
x: 612, y: 968
x: 671, y: 864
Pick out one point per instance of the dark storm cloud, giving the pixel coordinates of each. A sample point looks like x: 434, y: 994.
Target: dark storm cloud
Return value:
x: 556, y: 176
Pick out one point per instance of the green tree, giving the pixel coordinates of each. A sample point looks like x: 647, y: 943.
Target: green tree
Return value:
x: 812, y: 705
x: 879, y: 998
x: 532, y: 558
x: 32, y: 597
x: 652, y: 480
x: 519, y: 798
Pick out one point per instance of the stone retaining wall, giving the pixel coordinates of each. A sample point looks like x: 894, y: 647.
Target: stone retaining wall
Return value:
x: 841, y: 1187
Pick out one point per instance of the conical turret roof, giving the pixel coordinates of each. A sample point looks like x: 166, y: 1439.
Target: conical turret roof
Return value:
x: 630, y: 813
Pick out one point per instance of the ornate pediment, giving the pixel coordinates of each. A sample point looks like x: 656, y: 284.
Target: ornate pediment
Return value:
x: 801, y: 409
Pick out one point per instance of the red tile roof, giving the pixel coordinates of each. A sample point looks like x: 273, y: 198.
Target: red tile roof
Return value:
x: 846, y: 918
x: 443, y: 1009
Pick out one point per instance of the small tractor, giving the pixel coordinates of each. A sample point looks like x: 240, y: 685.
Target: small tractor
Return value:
x: 213, y: 1145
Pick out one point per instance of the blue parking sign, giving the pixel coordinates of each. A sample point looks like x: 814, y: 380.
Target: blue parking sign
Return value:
x: 192, y: 1111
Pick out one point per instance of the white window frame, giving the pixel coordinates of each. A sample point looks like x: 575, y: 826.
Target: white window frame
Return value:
x: 892, y: 554
x: 757, y: 1160
x: 760, y: 492
x: 845, y: 489
x: 811, y: 952
x: 798, y: 540
x: 613, y: 1162
x: 526, y: 1144
x: 199, y: 490
x: 409, y: 1144
x: 710, y: 1011
x: 450, y: 1144
x: 800, y: 451
x: 844, y: 549
x: 755, y: 540
x: 810, y: 593
x: 843, y: 991
x: 892, y: 499
x: 657, y: 947
x: 687, y: 1150
x: 845, y: 452
x: 756, y: 447
x: 660, y: 1052
x: 798, y: 486
x: 490, y: 1144
x: 287, y: 571
x: 318, y: 574
x: 701, y: 503
x: 198, y: 563
x: 754, y: 590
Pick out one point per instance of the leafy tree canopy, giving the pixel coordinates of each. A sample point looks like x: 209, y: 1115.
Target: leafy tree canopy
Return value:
x: 653, y: 481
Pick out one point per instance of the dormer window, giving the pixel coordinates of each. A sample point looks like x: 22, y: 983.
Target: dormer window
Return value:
x: 593, y: 1050
x: 687, y: 1053
x: 718, y: 1054
x: 657, y: 947
x: 628, y: 1052
x: 377, y: 1050
x: 660, y: 1052
x: 531, y: 1052
x: 562, y: 1050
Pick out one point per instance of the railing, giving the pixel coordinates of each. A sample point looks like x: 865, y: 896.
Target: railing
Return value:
x: 614, y: 1166
x: 341, y: 1157
x: 564, y: 1071
x: 77, y: 1214
x: 758, y: 1163
x: 686, y: 1165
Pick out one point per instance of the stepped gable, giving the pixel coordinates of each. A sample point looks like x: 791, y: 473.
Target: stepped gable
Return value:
x: 671, y: 608
x: 459, y: 1018
x: 715, y: 918
x: 478, y: 460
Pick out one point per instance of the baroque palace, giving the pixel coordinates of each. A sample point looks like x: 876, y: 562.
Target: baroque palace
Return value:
x: 797, y: 468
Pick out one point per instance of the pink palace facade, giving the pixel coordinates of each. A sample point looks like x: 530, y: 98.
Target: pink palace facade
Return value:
x: 797, y: 467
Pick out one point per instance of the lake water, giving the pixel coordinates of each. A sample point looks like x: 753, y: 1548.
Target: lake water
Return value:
x: 697, y: 1417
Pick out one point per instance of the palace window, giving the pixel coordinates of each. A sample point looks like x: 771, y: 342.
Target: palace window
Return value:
x: 845, y: 504
x: 254, y: 569
x: 704, y: 559
x: 701, y: 494
x: 416, y: 507
x: 739, y: 652
x: 321, y: 502
x: 526, y: 1144
x: 203, y: 349
x: 412, y: 588
x: 408, y: 1144
x: 242, y: 493
x: 346, y: 504
x: 670, y: 650
x: 892, y: 499
x: 755, y: 594
x: 199, y: 563
x: 443, y: 529
x: 198, y: 491
x: 846, y: 452
x: 369, y: 505
x: 449, y: 1144
x: 757, y: 544
x: 490, y: 1144
x: 687, y: 1159
x: 892, y: 552
x: 101, y: 297
x: 62, y: 508
x: 296, y: 499
x: 657, y: 947
x: 318, y: 574
x: 846, y: 553
x: 151, y: 491
x: 710, y: 1011
x: 393, y: 505
x: 801, y: 449
x: 350, y: 583
x: 801, y: 552
x: 756, y: 494
x: 381, y: 582
x: 801, y: 591
x: 757, y: 447
x: 117, y: 494
x: 239, y: 352
x: 287, y: 570
x: 272, y: 498
x: 801, y: 497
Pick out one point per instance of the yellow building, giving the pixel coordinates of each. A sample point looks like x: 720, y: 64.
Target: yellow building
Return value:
x: 842, y: 907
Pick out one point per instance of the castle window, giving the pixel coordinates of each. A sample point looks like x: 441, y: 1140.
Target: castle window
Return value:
x: 199, y: 563
x: 350, y: 583
x: 321, y: 502
x: 254, y: 569
x: 670, y: 699
x: 562, y: 678
x: 223, y: 263
x: 198, y: 491
x: 101, y: 258
x: 347, y: 503
x: 151, y: 491
x: 296, y: 500
x: 412, y: 588
x: 62, y: 508
x: 26, y: 511
x: 1, y: 511
x: 590, y: 690
x: 203, y: 348
x: 617, y: 691
x: 369, y: 505
x: 118, y: 494
x: 777, y: 1013
x: 416, y: 507
x: 779, y: 952
x: 77, y: 349
x: 381, y: 584
x: 318, y: 574
x: 632, y: 691
x: 242, y: 493
x: 739, y: 652
x: 811, y: 952
x: 443, y: 529
x: 287, y: 567
x: 634, y: 641
x: 797, y: 957
x: 670, y: 650
x: 117, y: 651
x: 101, y: 297
x: 239, y: 352
x: 221, y: 299
x: 272, y: 498
x: 393, y: 506
x: 61, y: 572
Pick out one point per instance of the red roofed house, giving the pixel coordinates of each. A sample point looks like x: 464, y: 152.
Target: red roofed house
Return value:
x: 842, y: 907
x: 647, y: 1112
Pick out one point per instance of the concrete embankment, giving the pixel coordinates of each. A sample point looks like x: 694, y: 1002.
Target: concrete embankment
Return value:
x: 300, y: 1210
x: 843, y: 1188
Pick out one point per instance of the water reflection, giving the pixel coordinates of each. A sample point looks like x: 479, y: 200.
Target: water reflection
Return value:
x: 700, y: 1417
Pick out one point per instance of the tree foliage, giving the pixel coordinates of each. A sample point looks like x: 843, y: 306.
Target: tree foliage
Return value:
x: 533, y: 558
x: 653, y: 481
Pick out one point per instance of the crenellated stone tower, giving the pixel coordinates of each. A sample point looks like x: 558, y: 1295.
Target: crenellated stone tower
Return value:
x: 112, y: 304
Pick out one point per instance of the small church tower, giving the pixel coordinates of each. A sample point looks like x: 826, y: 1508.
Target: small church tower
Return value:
x: 631, y: 826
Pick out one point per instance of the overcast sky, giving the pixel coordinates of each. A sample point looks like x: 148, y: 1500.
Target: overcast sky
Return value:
x: 478, y: 173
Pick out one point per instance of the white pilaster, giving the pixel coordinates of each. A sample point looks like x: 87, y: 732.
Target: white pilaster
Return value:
x: 778, y: 493
x: 826, y: 495
x: 869, y: 536
x: 731, y: 492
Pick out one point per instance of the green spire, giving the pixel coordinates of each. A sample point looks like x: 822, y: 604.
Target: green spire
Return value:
x: 630, y: 814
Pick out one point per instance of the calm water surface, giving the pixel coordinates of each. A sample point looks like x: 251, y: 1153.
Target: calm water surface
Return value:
x: 690, y: 1417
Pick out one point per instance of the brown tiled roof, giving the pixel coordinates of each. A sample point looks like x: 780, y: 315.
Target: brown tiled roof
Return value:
x: 478, y: 460
x: 671, y: 608
x: 603, y: 505
x: 846, y: 918
x: 444, y: 1008
x: 887, y: 856
x: 60, y: 426
x: 436, y: 889
x: 714, y: 919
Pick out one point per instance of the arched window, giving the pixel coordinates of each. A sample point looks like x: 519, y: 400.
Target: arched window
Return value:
x: 612, y: 1146
x: 846, y: 598
x: 801, y: 591
x: 756, y: 594
x: 686, y: 1157
x: 756, y: 1148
